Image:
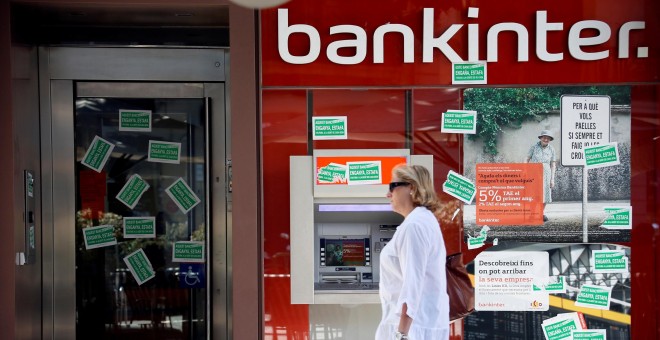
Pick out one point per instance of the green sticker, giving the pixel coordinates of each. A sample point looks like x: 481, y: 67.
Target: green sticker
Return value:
x: 459, y: 187
x: 135, y: 120
x: 469, y: 73
x: 97, y: 237
x: 593, y: 296
x: 610, y: 261
x: 188, y: 251
x: 182, y: 195
x: 97, y: 154
x: 139, y: 227
x: 132, y: 191
x: 601, y: 156
x: 329, y: 128
x: 164, y: 152
x: 459, y: 121
x: 139, y: 265
x: 559, y: 330
x: 589, y: 334
x: 478, y: 241
x: 364, y: 172
x: 618, y: 218
x: 332, y: 173
x: 553, y: 287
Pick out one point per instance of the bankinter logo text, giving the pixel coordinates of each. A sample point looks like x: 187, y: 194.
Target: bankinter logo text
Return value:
x: 431, y: 41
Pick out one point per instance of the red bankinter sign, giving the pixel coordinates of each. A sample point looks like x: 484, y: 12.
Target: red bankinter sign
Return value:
x: 375, y: 43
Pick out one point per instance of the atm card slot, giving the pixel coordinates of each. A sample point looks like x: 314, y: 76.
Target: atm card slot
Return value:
x: 340, y: 278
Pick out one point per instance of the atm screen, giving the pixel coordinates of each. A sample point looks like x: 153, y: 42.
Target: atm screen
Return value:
x: 345, y: 252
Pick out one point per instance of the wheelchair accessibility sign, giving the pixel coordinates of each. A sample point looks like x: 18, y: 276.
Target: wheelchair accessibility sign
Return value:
x: 192, y: 275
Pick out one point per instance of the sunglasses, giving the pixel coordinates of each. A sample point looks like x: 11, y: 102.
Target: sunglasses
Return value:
x: 397, y: 184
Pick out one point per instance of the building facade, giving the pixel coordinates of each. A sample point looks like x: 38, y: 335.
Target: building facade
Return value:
x: 185, y: 120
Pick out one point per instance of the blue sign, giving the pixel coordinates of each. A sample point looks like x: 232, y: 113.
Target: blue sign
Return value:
x: 192, y: 275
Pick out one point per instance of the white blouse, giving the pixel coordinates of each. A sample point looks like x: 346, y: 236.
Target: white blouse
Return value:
x: 412, y: 271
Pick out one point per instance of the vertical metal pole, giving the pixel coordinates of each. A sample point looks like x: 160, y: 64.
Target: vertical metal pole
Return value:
x: 585, y: 199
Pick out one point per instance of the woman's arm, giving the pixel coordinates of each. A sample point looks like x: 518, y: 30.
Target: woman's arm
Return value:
x: 405, y: 321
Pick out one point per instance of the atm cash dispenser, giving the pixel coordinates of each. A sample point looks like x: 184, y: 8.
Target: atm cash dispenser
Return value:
x: 339, y: 225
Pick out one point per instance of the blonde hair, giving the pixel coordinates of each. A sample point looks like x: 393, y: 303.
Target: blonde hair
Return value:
x: 422, y: 191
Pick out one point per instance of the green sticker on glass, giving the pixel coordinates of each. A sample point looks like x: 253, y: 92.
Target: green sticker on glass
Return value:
x: 459, y: 121
x: 188, y: 251
x: 593, y: 296
x: 560, y: 329
x: 617, y: 218
x: 459, y: 187
x: 559, y: 286
x: 132, y: 191
x: 610, y: 261
x: 601, y: 156
x: 139, y: 227
x: 135, y: 120
x: 474, y: 242
x: 329, y: 128
x: 332, y: 173
x: 164, y: 152
x: 469, y: 73
x: 97, y: 154
x: 182, y: 195
x: 364, y: 172
x: 139, y: 265
x: 97, y: 237
x: 589, y: 334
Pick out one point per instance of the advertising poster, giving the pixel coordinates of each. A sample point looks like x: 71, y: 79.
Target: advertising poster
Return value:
x: 544, y: 136
x: 504, y: 281
x: 510, y: 194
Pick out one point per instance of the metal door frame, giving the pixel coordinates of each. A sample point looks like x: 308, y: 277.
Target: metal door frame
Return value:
x: 168, y: 71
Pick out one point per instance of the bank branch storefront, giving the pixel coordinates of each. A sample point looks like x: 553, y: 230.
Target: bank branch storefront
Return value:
x: 476, y: 86
x: 211, y: 171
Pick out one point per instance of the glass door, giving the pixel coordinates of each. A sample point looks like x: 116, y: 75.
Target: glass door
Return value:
x: 141, y: 213
x: 136, y: 204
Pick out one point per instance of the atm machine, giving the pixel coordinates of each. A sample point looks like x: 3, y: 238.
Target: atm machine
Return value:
x: 340, y: 224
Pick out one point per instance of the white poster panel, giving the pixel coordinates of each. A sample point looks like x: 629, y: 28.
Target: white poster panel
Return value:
x: 504, y: 280
x: 585, y: 122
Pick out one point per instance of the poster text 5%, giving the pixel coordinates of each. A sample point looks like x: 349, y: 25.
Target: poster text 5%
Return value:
x: 489, y: 195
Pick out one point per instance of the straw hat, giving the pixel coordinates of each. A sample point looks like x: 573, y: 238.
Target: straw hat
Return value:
x: 546, y: 133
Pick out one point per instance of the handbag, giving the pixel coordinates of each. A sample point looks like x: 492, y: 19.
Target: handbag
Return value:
x: 459, y: 288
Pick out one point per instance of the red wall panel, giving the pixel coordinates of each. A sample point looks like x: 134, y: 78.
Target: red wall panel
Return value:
x: 428, y: 106
x: 645, y: 200
x: 284, y: 133
x: 375, y: 118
